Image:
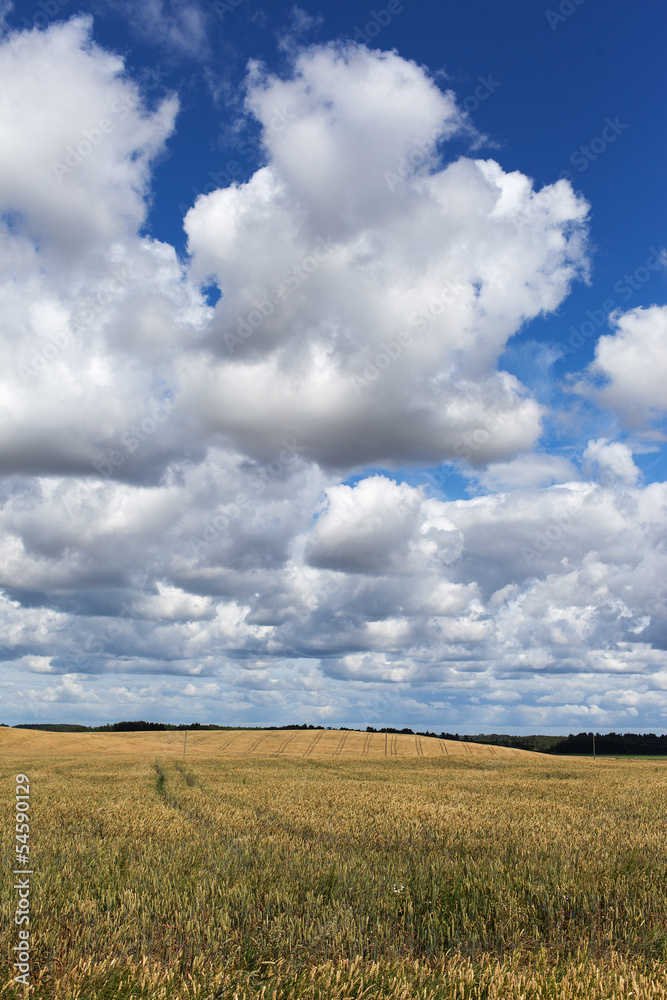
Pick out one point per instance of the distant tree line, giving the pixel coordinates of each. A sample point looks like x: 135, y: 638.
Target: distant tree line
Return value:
x: 303, y: 726
x: 122, y: 727
x: 390, y: 729
x: 613, y: 744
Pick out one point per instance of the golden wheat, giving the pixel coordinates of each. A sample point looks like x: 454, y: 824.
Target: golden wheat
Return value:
x: 268, y: 874
x: 246, y: 742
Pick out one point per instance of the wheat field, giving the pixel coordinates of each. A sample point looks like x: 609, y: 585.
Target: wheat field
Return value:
x: 246, y: 743
x: 275, y: 870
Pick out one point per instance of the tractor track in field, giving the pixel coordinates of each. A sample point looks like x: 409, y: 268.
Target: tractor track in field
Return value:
x: 341, y: 743
x: 285, y: 743
x: 228, y: 742
x: 312, y: 746
x: 253, y: 746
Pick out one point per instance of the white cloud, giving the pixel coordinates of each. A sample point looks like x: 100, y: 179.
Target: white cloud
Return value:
x: 613, y: 461
x: 174, y: 28
x: 370, y: 314
x: 375, y: 315
x: 633, y: 361
x: 528, y: 470
x: 92, y: 313
x: 381, y: 527
x: 77, y: 178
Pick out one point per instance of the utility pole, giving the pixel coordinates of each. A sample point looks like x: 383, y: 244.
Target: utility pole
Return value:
x: 593, y: 746
x: 385, y: 741
x: 185, y: 743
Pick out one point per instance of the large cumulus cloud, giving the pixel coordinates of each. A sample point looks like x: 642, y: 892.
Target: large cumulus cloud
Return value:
x: 93, y: 313
x: 368, y: 292
x: 365, y: 314
x: 632, y: 364
x: 77, y: 141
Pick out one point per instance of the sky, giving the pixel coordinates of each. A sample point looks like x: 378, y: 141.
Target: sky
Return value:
x: 333, y: 362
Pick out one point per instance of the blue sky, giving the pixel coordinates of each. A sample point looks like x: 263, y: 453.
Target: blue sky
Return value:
x: 334, y: 355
